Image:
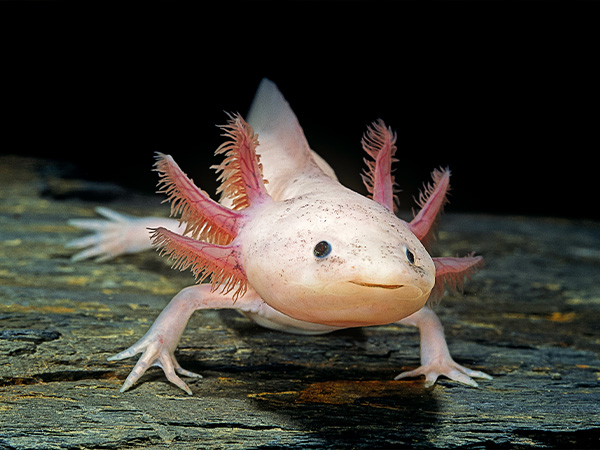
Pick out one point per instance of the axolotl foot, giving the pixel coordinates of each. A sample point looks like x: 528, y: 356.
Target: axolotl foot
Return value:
x: 154, y: 353
x: 117, y: 234
x: 435, y: 356
x: 158, y: 345
x: 447, y: 367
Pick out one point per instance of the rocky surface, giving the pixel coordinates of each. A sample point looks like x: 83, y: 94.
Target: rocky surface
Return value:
x: 530, y: 318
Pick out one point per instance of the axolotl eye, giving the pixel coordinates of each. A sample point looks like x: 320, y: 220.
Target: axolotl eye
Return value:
x: 322, y: 249
x: 409, y: 255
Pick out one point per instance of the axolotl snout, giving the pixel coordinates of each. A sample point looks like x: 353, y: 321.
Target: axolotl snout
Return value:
x: 289, y: 246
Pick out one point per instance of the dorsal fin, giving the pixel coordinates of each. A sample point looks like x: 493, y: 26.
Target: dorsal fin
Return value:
x: 241, y: 172
x: 221, y: 262
x: 271, y: 114
x: 431, y: 201
x: 205, y: 219
x: 283, y: 147
x: 379, y: 143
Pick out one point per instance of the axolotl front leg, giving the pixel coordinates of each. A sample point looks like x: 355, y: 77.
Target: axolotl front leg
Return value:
x: 435, y: 356
x: 221, y: 261
x: 158, y: 344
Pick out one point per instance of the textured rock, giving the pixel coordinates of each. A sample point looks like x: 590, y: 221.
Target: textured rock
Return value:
x: 530, y: 318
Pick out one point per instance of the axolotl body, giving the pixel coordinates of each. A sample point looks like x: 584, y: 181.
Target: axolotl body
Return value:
x: 289, y: 246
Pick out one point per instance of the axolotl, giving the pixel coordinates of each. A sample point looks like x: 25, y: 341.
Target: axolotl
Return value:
x: 289, y: 246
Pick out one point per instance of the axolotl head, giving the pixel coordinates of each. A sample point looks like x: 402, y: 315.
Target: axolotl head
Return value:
x: 344, y: 261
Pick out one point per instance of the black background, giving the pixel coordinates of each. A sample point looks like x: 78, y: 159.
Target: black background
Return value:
x: 504, y: 93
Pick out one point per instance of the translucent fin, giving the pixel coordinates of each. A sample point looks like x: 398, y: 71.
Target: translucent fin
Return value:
x: 378, y: 142
x: 241, y: 172
x: 431, y: 201
x: 451, y: 273
x: 205, y: 219
x: 221, y: 263
x: 270, y: 114
x: 283, y: 146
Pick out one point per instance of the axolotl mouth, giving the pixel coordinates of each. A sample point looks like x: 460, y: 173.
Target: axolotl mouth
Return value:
x: 376, y: 285
x: 357, y: 303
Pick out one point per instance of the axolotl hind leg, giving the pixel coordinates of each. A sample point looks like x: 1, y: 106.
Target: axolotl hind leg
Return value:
x: 117, y: 234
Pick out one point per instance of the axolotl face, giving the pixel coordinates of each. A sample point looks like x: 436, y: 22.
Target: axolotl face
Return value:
x: 345, y: 261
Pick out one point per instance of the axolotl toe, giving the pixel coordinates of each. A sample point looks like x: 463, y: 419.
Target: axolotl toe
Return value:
x: 349, y: 261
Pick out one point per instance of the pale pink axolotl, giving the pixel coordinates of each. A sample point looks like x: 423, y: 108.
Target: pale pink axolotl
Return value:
x: 289, y: 246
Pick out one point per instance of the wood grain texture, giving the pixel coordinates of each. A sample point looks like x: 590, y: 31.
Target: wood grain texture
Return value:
x: 530, y: 318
